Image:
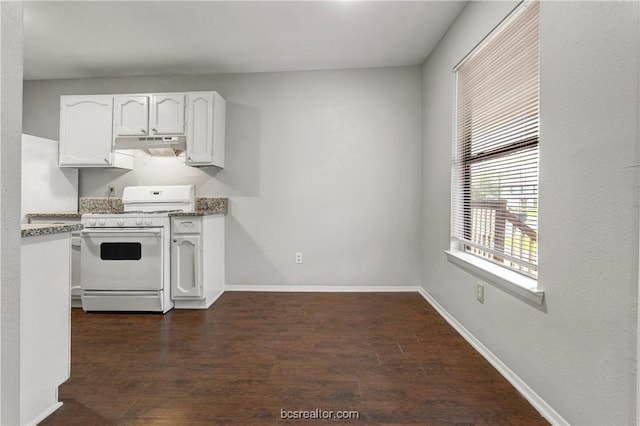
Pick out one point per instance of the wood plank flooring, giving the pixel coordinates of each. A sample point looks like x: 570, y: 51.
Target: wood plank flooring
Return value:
x: 388, y: 356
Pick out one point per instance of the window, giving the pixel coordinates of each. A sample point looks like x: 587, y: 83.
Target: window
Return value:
x: 495, y: 164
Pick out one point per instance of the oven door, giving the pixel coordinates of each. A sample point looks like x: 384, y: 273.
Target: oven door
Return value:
x: 122, y: 259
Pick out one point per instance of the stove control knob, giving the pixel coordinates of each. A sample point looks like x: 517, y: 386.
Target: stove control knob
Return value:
x: 120, y: 222
x: 92, y: 222
x: 148, y: 221
x: 139, y: 221
x: 102, y: 222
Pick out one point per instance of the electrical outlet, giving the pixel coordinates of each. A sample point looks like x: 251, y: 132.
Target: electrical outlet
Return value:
x: 298, y: 257
x: 480, y: 291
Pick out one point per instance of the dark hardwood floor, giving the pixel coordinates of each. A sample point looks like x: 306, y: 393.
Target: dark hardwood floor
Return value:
x: 388, y: 356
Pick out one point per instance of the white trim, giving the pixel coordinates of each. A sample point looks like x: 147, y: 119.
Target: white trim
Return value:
x: 204, y: 303
x: 322, y: 288
x: 46, y: 413
x: 512, y: 282
x: 521, y: 386
x: 491, y: 34
x: 461, y: 242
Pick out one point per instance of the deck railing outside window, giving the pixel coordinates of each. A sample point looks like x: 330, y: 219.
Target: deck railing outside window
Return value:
x: 510, y: 240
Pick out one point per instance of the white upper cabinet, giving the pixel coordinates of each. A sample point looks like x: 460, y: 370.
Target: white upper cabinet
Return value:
x: 167, y: 114
x: 149, y: 115
x: 91, y: 126
x: 206, y: 114
x: 200, y: 128
x: 131, y: 116
x: 85, y: 131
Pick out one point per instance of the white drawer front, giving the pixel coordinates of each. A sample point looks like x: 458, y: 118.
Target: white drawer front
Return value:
x: 190, y: 225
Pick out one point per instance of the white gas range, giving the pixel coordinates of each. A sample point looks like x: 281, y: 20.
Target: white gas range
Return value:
x: 125, y: 263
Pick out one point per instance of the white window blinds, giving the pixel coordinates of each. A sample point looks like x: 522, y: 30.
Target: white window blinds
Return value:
x: 495, y: 168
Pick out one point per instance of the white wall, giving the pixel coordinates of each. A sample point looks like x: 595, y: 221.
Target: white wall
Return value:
x: 45, y: 187
x: 579, y: 352
x: 10, y: 132
x: 325, y: 163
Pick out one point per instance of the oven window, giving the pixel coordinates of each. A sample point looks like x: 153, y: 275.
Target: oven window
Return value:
x: 120, y: 251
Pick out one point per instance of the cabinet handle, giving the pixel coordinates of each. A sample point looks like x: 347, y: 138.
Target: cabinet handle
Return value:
x: 143, y: 131
x: 106, y: 160
x: 175, y: 241
x: 155, y: 130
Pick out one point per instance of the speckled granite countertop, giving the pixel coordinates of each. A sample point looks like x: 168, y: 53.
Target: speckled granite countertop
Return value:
x: 66, y: 215
x: 196, y: 213
x: 207, y: 206
x: 204, y: 206
x: 35, y: 230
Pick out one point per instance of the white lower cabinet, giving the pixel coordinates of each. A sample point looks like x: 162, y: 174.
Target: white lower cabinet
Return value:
x: 45, y: 328
x: 76, y: 287
x: 186, y: 270
x: 197, y: 260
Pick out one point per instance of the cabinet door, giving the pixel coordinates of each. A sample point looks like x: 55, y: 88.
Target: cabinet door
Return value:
x: 167, y: 115
x: 131, y: 116
x: 186, y: 267
x: 86, y: 125
x: 200, y: 128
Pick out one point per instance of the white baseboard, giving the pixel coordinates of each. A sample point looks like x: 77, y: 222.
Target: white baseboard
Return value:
x: 529, y: 394
x: 322, y: 288
x: 46, y: 413
x: 198, y: 303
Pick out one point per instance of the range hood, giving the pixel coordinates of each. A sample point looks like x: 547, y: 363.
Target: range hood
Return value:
x: 151, y: 142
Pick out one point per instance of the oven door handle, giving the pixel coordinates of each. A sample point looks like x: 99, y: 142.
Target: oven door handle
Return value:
x: 117, y: 231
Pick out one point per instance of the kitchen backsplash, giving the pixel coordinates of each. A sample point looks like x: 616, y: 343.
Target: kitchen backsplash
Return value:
x: 215, y: 204
x: 101, y: 205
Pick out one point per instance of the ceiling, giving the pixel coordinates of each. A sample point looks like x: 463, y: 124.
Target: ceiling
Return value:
x: 134, y: 38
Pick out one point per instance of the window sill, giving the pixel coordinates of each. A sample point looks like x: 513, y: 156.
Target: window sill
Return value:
x: 518, y: 285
